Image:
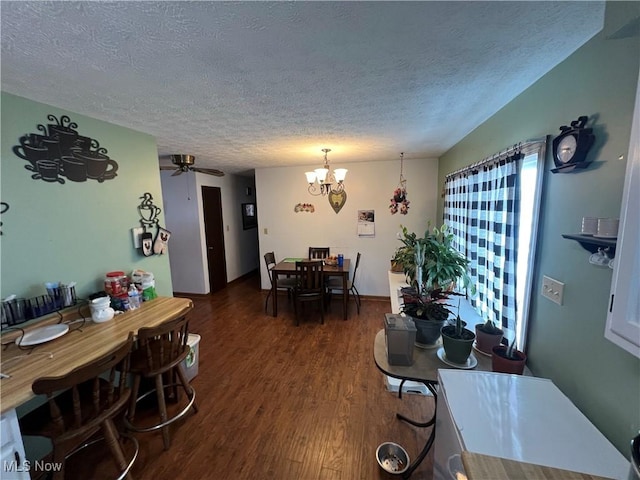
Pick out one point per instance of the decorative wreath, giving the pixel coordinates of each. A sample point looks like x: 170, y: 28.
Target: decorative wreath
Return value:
x: 399, y: 201
x: 304, y: 207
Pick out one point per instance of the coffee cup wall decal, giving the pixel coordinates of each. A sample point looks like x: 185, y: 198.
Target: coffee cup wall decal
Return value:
x: 4, y: 206
x: 58, y: 150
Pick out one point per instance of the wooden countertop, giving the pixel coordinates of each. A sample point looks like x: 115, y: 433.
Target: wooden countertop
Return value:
x: 84, y: 342
x: 485, y: 467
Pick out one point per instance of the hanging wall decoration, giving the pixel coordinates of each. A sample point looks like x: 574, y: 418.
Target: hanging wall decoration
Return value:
x: 337, y: 200
x: 400, y: 201
x: 60, y: 151
x: 304, y: 207
x: 149, y: 218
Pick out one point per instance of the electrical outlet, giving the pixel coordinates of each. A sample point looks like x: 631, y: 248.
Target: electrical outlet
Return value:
x: 552, y: 289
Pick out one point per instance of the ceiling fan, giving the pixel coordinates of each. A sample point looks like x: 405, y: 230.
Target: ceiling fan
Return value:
x: 184, y: 163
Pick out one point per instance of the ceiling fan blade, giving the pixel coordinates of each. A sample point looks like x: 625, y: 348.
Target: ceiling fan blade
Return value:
x: 209, y: 171
x: 177, y: 172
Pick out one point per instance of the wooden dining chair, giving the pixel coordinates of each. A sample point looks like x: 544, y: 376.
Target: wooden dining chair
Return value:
x: 93, y: 395
x: 335, y: 284
x: 160, y: 352
x: 283, y: 283
x: 318, y: 253
x: 310, y: 287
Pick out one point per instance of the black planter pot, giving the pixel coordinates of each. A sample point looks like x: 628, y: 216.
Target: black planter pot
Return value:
x: 427, y: 331
x: 457, y: 350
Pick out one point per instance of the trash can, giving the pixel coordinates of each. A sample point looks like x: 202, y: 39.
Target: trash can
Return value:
x: 190, y: 364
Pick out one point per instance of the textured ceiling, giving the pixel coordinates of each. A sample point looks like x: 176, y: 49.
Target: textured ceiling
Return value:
x: 242, y: 85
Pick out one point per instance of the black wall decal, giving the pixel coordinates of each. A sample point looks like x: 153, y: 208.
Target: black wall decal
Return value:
x: 4, y: 206
x: 60, y: 151
x: 148, y: 211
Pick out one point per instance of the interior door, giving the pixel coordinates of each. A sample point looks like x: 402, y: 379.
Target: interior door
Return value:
x: 214, y: 233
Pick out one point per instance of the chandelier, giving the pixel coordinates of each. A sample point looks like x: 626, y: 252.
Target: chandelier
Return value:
x: 322, y: 180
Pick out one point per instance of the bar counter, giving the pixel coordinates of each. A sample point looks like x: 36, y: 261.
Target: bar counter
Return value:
x: 84, y: 342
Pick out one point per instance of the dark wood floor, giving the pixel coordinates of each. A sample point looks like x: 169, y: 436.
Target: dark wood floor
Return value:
x: 284, y: 402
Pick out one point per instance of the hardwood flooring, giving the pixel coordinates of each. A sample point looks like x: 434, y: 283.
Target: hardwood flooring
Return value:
x: 282, y: 402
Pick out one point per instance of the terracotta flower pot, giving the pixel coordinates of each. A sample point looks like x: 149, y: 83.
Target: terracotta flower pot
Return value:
x: 486, y: 341
x: 500, y: 362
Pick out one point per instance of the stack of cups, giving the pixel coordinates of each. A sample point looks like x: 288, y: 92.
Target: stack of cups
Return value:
x: 589, y: 226
x: 600, y: 227
x: 608, y: 227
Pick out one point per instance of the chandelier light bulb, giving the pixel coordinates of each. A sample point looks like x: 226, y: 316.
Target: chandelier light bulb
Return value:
x: 321, y: 173
x: 311, y: 177
x: 340, y: 174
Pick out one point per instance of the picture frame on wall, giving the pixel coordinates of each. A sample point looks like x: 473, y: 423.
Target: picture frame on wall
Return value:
x: 249, y: 216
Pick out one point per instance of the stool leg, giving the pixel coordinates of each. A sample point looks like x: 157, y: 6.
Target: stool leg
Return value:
x: 134, y: 395
x: 58, y: 459
x: 111, y: 437
x: 188, y: 389
x: 163, y: 411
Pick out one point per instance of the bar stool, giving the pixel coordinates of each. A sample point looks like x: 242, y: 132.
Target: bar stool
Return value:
x: 88, y: 404
x: 159, y: 353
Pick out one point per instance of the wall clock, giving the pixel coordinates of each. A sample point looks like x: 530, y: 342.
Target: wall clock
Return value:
x: 570, y: 148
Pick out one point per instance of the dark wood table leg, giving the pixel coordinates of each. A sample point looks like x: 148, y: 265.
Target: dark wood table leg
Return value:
x: 344, y: 295
x: 432, y: 436
x: 274, y: 293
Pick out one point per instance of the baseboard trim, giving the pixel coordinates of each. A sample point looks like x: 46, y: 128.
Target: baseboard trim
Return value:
x: 237, y: 280
x: 373, y: 298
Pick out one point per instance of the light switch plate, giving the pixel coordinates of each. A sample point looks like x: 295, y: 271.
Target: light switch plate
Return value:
x: 552, y: 289
x: 137, y: 233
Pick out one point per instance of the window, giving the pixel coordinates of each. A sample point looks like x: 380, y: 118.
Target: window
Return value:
x: 492, y: 209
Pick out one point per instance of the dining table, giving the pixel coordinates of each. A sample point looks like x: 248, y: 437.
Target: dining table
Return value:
x: 84, y: 342
x: 287, y: 267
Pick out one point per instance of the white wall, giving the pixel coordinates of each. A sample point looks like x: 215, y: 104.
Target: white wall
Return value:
x: 369, y: 186
x: 182, y: 197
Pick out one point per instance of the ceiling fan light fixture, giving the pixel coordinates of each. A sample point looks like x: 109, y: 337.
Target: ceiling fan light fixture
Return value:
x: 185, y: 163
x: 183, y: 160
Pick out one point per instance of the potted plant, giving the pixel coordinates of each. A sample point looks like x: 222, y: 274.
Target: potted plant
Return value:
x: 508, y: 359
x: 396, y: 261
x: 488, y: 335
x: 432, y: 267
x: 457, y: 341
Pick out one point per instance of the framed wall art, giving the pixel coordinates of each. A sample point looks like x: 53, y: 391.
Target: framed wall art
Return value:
x: 249, y: 216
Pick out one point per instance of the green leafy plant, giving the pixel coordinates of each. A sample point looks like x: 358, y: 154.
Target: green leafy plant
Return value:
x: 429, y: 305
x: 432, y: 267
x: 431, y: 262
x: 511, y: 352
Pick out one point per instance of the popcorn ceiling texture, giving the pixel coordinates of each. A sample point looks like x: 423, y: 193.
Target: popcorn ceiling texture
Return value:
x: 242, y: 85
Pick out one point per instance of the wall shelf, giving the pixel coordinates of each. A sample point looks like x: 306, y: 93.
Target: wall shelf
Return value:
x: 592, y: 244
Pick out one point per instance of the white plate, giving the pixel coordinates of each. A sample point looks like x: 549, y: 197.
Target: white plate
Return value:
x: 42, y: 335
x: 475, y: 347
x: 470, y: 363
x: 429, y: 346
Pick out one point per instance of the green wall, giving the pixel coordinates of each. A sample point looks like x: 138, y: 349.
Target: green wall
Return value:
x: 76, y: 231
x: 566, y: 343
